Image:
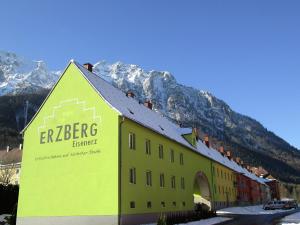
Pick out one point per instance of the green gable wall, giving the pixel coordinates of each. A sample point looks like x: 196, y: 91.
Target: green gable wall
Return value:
x: 191, y: 138
x: 59, y: 179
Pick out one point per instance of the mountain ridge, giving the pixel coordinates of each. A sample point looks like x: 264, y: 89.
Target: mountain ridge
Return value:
x: 182, y: 104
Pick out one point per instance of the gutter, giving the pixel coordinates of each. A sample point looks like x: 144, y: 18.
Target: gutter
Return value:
x: 119, y: 169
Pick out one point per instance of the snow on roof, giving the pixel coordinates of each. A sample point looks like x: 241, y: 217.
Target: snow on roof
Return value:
x: 184, y: 130
x: 130, y: 108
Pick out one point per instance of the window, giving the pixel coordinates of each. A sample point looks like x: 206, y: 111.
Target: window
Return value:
x: 181, y: 159
x: 223, y: 189
x: 172, y: 155
x: 148, y: 147
x: 182, y: 184
x: 219, y: 190
x: 148, y: 178
x: 132, y: 204
x: 218, y: 172
x: 221, y: 173
x: 163, y: 204
x: 161, y: 180
x: 213, y: 170
x: 215, y: 188
x: 131, y: 141
x: 17, y: 171
x: 149, y: 205
x: 174, y: 204
x: 161, y: 151
x: 183, y: 204
x: 173, y: 184
x: 132, y: 176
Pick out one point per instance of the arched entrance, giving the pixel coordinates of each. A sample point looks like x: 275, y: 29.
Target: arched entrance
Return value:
x: 202, y: 192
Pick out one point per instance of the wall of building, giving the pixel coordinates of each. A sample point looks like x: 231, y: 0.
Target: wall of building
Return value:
x: 255, y: 192
x: 224, y: 188
x: 71, y: 176
x: 163, y: 199
x: 243, y: 189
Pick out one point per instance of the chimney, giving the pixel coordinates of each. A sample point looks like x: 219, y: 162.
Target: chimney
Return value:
x: 130, y: 94
x: 20, y: 147
x: 229, y: 155
x: 197, y: 133
x: 88, y: 66
x: 148, y: 104
x: 249, y: 168
x: 206, y: 141
x: 238, y: 160
x: 242, y: 163
x: 221, y: 150
x: 7, y: 148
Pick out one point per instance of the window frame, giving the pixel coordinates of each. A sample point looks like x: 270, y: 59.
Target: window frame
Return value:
x: 148, y: 147
x: 131, y: 144
x: 148, y: 178
x: 160, y: 151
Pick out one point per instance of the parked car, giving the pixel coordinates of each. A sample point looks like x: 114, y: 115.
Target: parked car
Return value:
x: 281, y: 204
x: 274, y: 205
x: 290, y: 204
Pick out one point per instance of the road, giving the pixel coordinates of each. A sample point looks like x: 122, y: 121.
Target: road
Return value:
x: 266, y: 219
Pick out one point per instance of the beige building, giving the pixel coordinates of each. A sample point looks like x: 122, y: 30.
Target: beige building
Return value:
x: 10, y: 165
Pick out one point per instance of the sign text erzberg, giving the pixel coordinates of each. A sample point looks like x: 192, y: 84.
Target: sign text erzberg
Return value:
x: 67, y: 132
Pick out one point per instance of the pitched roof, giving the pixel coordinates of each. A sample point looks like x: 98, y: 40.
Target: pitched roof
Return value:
x: 12, y: 156
x: 130, y: 108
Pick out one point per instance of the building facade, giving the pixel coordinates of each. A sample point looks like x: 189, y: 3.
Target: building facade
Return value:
x: 10, y: 165
x: 94, y: 155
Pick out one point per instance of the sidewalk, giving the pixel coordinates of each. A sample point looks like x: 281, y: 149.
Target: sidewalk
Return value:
x: 249, y: 210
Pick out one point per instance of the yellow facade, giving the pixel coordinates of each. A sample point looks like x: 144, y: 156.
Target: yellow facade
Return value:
x: 154, y: 198
x: 224, y: 187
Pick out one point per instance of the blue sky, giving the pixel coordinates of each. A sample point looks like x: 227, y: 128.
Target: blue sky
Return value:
x: 244, y: 52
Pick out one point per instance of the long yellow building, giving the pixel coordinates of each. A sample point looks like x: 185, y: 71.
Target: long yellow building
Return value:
x: 94, y: 155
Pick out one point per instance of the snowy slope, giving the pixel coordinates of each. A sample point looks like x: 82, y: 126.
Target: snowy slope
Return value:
x: 18, y: 75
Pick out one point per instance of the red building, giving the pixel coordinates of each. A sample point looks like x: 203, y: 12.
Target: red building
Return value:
x: 243, y: 189
x: 255, y: 192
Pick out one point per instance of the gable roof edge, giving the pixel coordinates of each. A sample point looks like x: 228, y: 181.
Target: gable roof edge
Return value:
x: 48, y: 95
x: 75, y: 63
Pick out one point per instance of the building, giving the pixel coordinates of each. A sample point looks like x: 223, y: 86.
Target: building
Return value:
x: 274, y: 187
x: 94, y: 155
x: 10, y: 165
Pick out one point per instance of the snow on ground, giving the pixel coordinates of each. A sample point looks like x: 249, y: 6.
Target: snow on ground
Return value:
x: 210, y: 221
x: 293, y: 219
x: 249, y: 210
x: 2, y: 217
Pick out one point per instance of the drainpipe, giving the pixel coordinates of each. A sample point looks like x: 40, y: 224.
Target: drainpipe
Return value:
x: 120, y: 168
x: 213, y: 187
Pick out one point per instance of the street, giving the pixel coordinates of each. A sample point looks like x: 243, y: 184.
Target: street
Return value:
x: 266, y: 219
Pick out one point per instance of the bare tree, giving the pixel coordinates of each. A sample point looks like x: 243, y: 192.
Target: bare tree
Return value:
x: 7, y: 170
x: 6, y: 173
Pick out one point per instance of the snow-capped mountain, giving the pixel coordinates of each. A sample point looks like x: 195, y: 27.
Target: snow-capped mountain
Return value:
x: 182, y: 104
x: 19, y: 75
